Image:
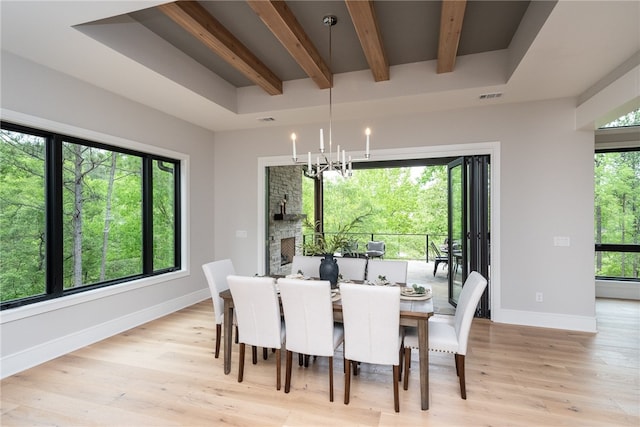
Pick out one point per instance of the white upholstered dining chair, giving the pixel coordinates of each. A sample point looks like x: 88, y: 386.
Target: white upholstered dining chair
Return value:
x: 308, y: 265
x: 394, y: 270
x: 257, y: 309
x: 371, y: 317
x: 308, y: 314
x: 216, y: 273
x: 451, y: 334
x: 352, y: 268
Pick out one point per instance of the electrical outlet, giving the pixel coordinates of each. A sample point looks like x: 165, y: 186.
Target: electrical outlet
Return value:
x: 538, y: 296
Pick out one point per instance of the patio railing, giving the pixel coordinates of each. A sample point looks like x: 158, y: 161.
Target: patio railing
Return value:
x: 409, y: 246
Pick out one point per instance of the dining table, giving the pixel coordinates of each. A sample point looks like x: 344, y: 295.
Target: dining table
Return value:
x: 414, y: 312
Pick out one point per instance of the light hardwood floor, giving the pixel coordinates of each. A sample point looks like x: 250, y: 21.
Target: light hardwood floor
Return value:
x: 163, y: 374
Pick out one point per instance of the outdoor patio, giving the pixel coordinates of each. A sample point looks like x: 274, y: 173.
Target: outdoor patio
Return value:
x: 421, y: 272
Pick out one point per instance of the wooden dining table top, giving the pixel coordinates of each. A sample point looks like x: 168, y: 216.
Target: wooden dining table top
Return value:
x: 409, y: 308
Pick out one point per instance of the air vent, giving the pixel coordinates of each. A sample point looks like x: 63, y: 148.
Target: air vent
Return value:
x: 491, y: 95
x: 266, y: 119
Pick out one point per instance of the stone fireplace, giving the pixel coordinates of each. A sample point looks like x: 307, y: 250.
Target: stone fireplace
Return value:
x: 285, y: 217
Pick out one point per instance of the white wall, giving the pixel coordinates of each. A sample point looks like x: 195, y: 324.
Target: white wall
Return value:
x: 546, y: 173
x: 37, y: 96
x: 546, y: 190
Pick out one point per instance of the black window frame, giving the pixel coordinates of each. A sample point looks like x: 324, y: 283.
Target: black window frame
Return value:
x: 54, y: 286
x: 617, y: 247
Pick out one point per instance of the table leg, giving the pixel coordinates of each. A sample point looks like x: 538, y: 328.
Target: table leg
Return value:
x: 228, y: 327
x: 423, y: 339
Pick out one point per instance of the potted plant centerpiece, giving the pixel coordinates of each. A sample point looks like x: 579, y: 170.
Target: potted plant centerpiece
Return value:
x: 327, y: 244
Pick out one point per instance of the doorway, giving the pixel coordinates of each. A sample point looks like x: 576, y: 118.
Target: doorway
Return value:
x: 412, y: 155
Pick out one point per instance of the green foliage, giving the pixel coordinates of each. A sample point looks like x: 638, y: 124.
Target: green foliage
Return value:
x: 617, y: 211
x: 101, y: 209
x: 402, y: 205
x: 22, y: 222
x: 163, y: 215
x: 330, y: 243
x: 630, y: 119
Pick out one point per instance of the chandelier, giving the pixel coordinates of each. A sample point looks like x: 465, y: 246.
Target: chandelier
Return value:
x: 329, y: 161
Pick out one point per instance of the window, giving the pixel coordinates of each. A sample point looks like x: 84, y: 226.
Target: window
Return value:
x: 77, y: 214
x: 617, y: 213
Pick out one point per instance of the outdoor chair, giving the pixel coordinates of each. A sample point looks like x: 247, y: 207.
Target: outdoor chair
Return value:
x: 375, y: 249
x: 350, y: 250
x: 438, y: 258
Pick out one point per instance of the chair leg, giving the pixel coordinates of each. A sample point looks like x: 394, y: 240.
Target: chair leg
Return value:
x: 331, y: 379
x: 460, y: 369
x: 347, y: 380
x: 300, y: 359
x: 265, y: 353
x: 396, y: 378
x: 218, y: 334
x: 236, y: 334
x: 287, y: 375
x: 278, y: 370
x: 407, y: 365
x: 241, y: 363
x: 401, y: 359
x: 254, y: 354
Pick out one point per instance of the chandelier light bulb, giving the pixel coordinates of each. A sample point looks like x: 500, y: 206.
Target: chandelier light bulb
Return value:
x: 293, y: 143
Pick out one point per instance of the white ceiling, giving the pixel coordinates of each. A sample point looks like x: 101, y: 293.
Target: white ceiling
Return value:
x: 580, y: 43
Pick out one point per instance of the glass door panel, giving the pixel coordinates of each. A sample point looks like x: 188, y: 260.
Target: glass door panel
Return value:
x: 456, y: 241
x: 468, y: 243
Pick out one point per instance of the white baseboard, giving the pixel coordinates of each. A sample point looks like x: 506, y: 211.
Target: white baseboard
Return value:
x: 545, y: 320
x: 17, y: 362
x: 617, y: 289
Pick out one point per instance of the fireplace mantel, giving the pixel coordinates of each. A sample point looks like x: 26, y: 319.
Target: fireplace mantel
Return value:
x: 289, y: 217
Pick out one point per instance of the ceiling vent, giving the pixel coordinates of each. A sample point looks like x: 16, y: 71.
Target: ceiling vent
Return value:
x: 491, y: 95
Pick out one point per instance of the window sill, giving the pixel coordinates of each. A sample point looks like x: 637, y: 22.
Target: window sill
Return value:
x: 18, y: 313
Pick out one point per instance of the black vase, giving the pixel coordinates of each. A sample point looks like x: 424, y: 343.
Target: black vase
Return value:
x: 329, y: 270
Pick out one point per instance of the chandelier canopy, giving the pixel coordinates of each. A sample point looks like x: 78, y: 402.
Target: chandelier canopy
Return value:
x: 331, y: 161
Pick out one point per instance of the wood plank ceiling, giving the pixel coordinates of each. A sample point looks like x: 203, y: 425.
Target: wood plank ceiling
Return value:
x: 281, y: 21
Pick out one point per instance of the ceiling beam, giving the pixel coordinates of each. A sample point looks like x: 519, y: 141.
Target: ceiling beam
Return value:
x: 364, y: 20
x: 198, y: 22
x: 277, y: 16
x: 450, y: 28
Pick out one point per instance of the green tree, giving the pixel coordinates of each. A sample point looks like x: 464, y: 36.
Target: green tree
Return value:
x: 22, y: 220
x: 617, y: 210
x: 398, y: 201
